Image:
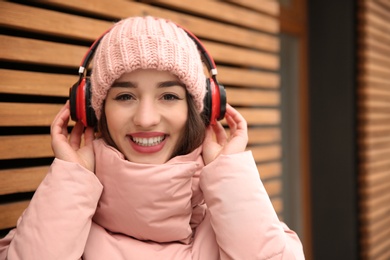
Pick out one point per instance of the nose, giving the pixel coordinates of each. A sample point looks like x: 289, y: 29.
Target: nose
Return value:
x: 146, y: 114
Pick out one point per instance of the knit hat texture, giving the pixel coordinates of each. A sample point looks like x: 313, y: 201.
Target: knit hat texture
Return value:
x: 146, y: 43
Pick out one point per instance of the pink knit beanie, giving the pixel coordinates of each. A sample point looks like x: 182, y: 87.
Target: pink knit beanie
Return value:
x: 146, y: 43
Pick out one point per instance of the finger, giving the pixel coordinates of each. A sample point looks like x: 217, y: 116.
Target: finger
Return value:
x: 220, y: 133
x: 60, y: 123
x: 59, y: 118
x: 236, y: 117
x: 75, y: 136
x: 209, y: 134
x: 89, y: 135
x: 232, y: 125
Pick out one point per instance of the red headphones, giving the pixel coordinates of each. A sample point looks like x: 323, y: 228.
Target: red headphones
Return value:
x: 80, y: 92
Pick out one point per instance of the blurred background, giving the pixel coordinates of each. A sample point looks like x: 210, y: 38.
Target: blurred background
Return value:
x: 311, y: 77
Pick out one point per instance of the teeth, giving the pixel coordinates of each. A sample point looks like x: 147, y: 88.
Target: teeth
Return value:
x: 148, y: 141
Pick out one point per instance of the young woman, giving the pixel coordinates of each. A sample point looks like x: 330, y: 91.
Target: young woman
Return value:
x: 155, y: 182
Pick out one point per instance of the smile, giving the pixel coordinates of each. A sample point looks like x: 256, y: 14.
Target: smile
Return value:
x: 148, y: 141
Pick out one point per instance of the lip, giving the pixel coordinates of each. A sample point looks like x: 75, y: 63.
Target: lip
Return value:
x: 147, y: 149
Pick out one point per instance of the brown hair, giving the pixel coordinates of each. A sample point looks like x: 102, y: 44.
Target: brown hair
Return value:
x: 193, y: 134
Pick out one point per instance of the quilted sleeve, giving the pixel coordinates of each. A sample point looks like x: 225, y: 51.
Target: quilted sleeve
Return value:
x: 242, y: 216
x: 57, y: 221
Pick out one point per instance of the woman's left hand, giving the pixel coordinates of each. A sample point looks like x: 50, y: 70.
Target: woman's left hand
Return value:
x: 221, y: 144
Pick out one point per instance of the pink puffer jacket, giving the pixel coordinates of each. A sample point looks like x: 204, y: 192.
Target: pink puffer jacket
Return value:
x: 178, y: 210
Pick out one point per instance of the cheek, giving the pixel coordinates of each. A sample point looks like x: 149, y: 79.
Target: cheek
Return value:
x: 115, y: 118
x: 180, y: 118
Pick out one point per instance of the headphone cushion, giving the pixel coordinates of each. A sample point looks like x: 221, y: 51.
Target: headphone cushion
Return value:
x: 90, y: 112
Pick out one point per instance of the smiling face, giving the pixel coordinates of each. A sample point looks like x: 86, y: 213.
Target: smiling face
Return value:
x: 146, y: 112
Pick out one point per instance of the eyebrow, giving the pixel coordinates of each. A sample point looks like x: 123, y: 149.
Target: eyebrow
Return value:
x: 164, y: 84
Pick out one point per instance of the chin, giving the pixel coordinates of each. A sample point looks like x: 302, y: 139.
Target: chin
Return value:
x: 148, y: 159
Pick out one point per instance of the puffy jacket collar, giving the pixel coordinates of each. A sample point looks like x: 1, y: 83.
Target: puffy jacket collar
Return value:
x: 147, y: 202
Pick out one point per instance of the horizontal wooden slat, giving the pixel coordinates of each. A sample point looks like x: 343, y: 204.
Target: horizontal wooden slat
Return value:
x: 36, y: 83
x: 375, y: 156
x: 370, y: 229
x: 226, y: 13
x: 377, y: 202
x: 384, y: 3
x: 370, y: 128
x: 377, y: 9
x: 372, y: 48
x: 374, y: 52
x: 373, y: 183
x: 374, y: 119
x: 378, y: 248
x: 376, y: 41
x: 368, y: 81
x: 40, y: 52
x: 248, y: 78
x: 252, y: 97
x: 370, y: 72
x: 373, y: 16
x: 264, y: 135
x: 221, y: 32
x: 378, y: 144
x: 366, y: 169
x: 378, y: 244
x: 378, y: 147
x: 376, y: 61
x: 273, y: 187
x: 373, y: 178
x: 371, y: 31
x: 269, y: 170
x: 375, y: 102
x: 374, y: 192
x: 269, y: 7
x: 374, y: 215
x: 377, y: 110
x: 371, y: 90
x: 242, y: 56
x: 372, y: 94
x: 277, y: 203
x: 373, y: 133
x: 24, y: 114
x: 25, y: 146
x: 50, y: 22
x: 266, y: 153
x: 10, y: 212
x: 261, y: 116
x: 375, y: 71
x: 21, y: 179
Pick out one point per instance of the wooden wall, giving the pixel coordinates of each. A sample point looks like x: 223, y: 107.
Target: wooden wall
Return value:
x: 374, y: 127
x: 43, y: 42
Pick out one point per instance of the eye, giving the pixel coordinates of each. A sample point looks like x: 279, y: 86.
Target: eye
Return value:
x: 170, y: 96
x: 124, y: 97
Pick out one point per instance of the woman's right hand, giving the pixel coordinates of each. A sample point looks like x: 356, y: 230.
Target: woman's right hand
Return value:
x: 68, y: 147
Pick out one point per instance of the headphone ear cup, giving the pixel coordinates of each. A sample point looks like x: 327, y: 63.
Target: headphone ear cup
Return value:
x: 215, y: 101
x: 222, y: 102
x: 73, y: 101
x: 90, y: 112
x: 207, y: 104
x: 80, y: 103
